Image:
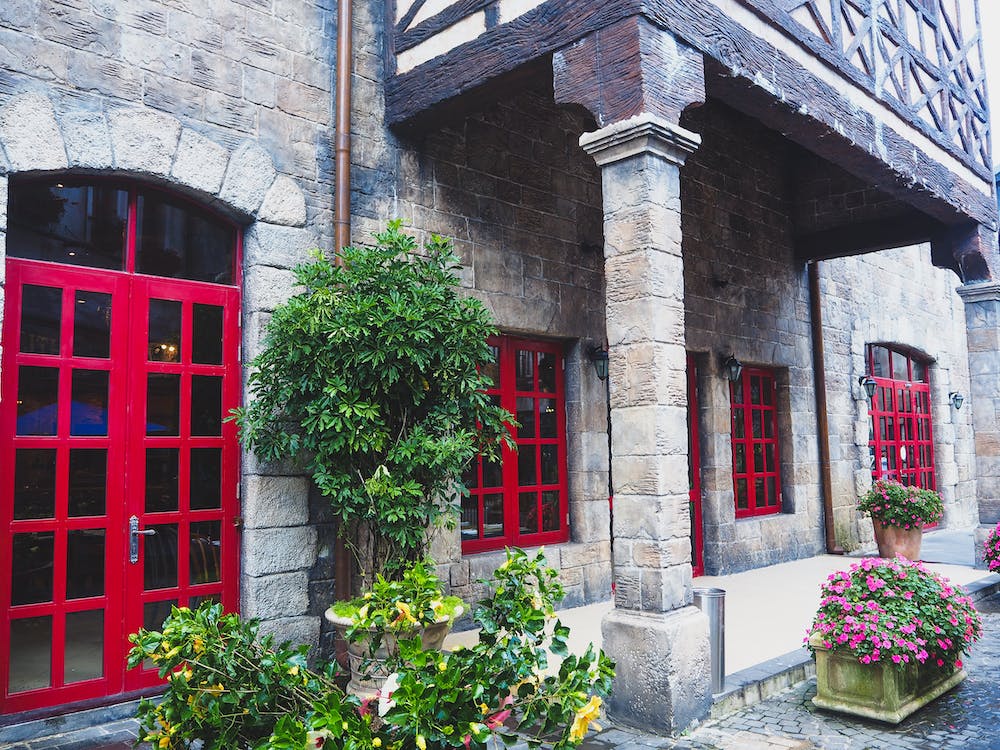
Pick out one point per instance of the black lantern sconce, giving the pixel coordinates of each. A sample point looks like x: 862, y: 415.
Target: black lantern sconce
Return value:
x: 869, y: 385
x: 733, y: 368
x: 599, y: 356
x: 957, y: 399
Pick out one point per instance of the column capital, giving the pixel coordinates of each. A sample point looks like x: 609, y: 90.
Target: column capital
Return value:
x: 980, y: 291
x: 643, y: 133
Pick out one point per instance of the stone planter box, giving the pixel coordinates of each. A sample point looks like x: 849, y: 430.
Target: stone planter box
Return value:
x: 881, y: 691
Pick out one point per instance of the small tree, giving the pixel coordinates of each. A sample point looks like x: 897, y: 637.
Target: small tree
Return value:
x: 370, y: 379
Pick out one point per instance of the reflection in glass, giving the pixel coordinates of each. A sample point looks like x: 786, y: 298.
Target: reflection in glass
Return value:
x: 164, y: 331
x: 547, y: 372
x: 197, y: 601
x: 79, y: 225
x: 491, y: 369
x: 742, y: 499
x: 88, y: 480
x: 526, y: 469
x: 84, y: 652
x: 206, y: 405
x: 470, y: 477
x: 30, y: 653
x: 161, y: 479
x: 880, y: 362
x: 84, y: 563
x: 470, y: 517
x: 203, y: 554
x: 740, y: 458
x: 492, y: 515
x: 163, y: 404
x: 178, y: 240
x: 206, y: 346
x: 41, y: 307
x: 34, y: 483
x: 739, y: 429
x: 525, y: 380
x: 492, y: 473
x: 900, y: 366
x: 37, y: 398
x: 526, y: 416
x: 550, y: 464
x: 154, y: 613
x: 550, y: 511
x: 160, y: 557
x: 206, y: 478
x: 547, y: 424
x: 89, y: 404
x: 527, y: 512
x: 34, y: 555
x: 92, y: 325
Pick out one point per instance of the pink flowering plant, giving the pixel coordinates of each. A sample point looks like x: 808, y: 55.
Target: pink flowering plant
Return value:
x: 894, y: 611
x: 991, y: 549
x: 893, y: 504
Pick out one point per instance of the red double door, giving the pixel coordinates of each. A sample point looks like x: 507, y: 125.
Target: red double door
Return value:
x: 118, y: 473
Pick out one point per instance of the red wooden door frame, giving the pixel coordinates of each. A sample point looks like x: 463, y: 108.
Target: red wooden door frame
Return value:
x: 123, y: 593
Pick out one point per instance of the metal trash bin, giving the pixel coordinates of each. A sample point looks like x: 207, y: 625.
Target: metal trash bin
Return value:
x: 713, y: 603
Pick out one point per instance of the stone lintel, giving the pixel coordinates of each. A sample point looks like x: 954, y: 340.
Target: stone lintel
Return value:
x: 979, y: 291
x: 643, y: 133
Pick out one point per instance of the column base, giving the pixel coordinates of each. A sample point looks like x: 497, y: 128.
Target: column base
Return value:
x: 662, y: 677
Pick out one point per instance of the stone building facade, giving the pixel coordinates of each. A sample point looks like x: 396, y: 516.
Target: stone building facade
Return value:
x: 620, y: 183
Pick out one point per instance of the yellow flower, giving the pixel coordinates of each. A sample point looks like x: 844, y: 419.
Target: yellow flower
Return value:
x: 199, y: 645
x: 405, y: 616
x: 294, y: 670
x: 376, y: 742
x: 363, y: 612
x: 584, y: 717
x: 484, y: 708
x: 421, y: 742
x: 442, y: 667
x: 164, y: 742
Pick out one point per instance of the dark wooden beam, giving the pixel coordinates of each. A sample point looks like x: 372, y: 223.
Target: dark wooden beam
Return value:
x: 408, y: 38
x: 969, y: 249
x: 855, y: 238
x: 629, y: 68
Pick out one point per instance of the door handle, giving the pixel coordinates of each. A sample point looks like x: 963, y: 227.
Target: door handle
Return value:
x: 134, y: 532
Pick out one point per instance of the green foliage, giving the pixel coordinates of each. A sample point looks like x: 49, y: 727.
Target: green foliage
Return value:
x: 229, y: 690
x: 370, y: 379
x: 893, y: 504
x: 415, y: 600
x: 226, y: 687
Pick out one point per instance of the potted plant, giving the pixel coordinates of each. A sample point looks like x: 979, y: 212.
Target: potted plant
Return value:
x: 899, y: 514
x: 888, y: 638
x: 370, y: 379
x: 373, y: 624
x: 991, y: 549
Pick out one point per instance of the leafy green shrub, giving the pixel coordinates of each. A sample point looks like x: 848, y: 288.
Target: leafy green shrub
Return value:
x: 225, y: 686
x: 228, y: 690
x: 370, y: 378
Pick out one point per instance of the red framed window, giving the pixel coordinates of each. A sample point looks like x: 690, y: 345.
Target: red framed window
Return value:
x: 756, y: 466
x: 900, y: 439
x: 521, y: 498
x: 118, y: 475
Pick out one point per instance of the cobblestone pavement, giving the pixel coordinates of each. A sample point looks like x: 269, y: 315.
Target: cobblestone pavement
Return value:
x: 967, y: 718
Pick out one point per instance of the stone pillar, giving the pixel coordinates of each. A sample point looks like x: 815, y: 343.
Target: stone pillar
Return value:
x: 982, y: 323
x: 659, y: 641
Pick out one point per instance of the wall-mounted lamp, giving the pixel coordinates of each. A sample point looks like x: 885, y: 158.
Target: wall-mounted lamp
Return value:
x: 957, y: 399
x: 733, y: 368
x: 599, y: 356
x: 869, y: 385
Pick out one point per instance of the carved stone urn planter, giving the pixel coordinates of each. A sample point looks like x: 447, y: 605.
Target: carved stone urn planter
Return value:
x: 893, y: 541
x: 882, y: 690
x: 369, y: 671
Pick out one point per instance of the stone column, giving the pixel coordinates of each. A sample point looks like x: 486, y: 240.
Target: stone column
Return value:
x: 659, y: 641
x: 982, y: 323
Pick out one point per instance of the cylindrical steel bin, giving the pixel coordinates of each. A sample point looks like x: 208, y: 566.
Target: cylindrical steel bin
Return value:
x: 713, y: 603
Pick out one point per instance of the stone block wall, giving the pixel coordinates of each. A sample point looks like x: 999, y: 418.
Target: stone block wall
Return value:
x: 896, y: 297
x: 522, y: 202
x: 746, y: 295
x: 229, y: 102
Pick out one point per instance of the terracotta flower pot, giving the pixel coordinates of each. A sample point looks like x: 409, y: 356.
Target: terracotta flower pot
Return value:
x: 893, y: 541
x: 369, y: 672
x: 882, y: 690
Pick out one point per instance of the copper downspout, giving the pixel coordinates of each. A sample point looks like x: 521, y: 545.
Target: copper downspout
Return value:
x: 822, y: 423
x: 342, y: 237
